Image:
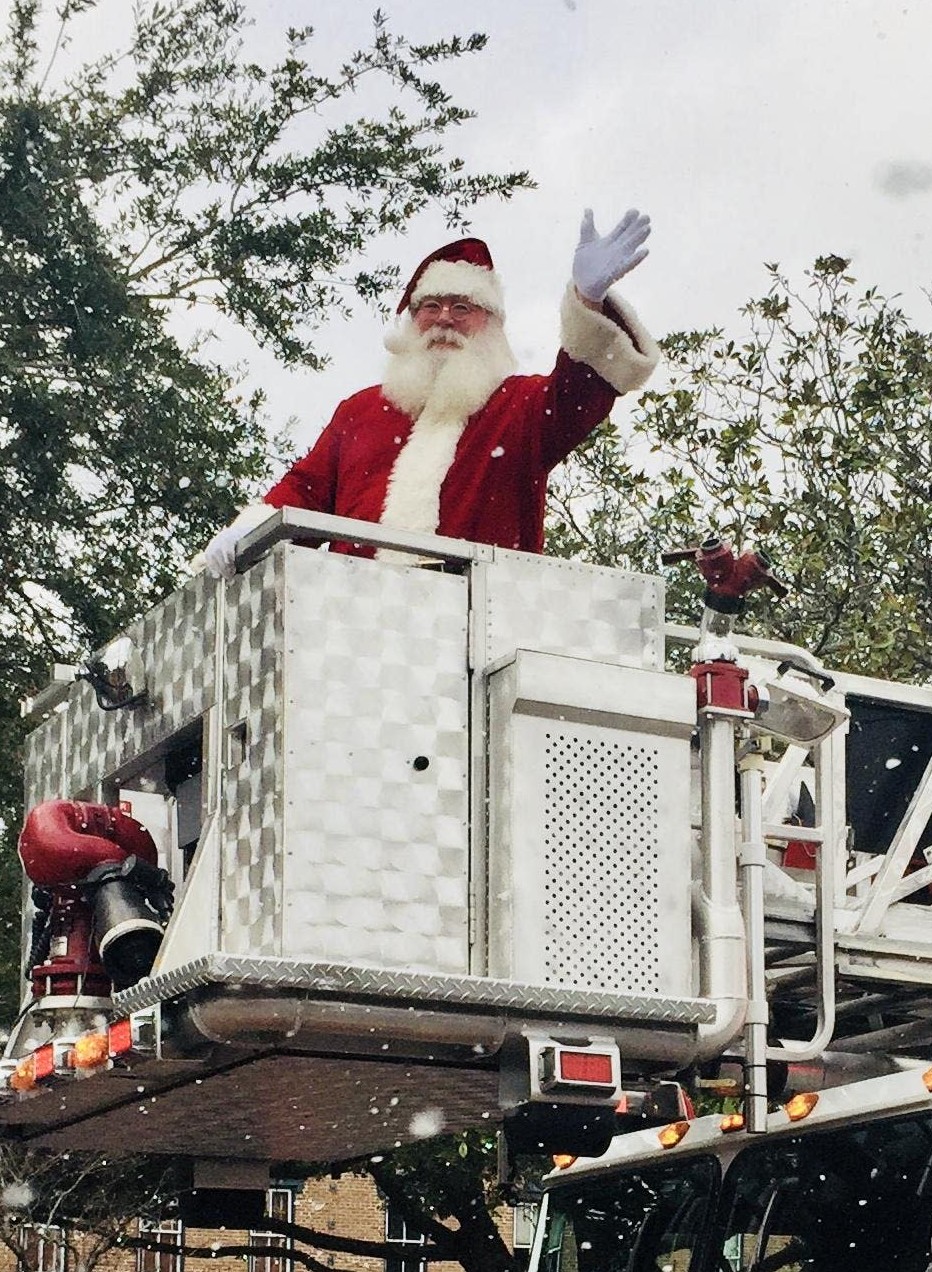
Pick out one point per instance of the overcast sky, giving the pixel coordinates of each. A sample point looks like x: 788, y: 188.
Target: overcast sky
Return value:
x: 750, y: 130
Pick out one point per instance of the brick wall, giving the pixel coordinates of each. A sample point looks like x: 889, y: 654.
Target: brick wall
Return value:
x: 348, y: 1206
x: 345, y: 1207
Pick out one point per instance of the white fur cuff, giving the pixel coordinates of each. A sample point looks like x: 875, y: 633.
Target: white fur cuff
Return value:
x: 592, y: 338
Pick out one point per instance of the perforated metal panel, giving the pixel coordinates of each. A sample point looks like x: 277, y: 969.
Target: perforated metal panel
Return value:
x: 601, y: 870
x: 589, y: 807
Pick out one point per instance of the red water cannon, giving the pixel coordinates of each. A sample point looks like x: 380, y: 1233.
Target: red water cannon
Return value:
x: 722, y: 684
x: 101, y: 899
x: 729, y: 577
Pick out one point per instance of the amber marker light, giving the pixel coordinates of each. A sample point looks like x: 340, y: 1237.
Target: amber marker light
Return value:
x: 33, y: 1068
x: 731, y: 1122
x: 90, y: 1051
x: 563, y: 1160
x: 927, y: 1079
x: 23, y: 1077
x: 801, y: 1105
x: 671, y: 1135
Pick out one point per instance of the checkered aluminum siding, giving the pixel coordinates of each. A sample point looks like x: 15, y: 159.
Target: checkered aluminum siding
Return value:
x: 375, y: 717
x: 568, y: 607
x: 344, y: 736
x: 81, y: 746
x: 253, y: 789
x: 44, y: 760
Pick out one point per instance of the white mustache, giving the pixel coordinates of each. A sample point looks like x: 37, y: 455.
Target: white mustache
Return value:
x: 443, y: 336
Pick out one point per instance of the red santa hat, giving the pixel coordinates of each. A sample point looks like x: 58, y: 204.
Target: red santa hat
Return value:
x: 463, y: 268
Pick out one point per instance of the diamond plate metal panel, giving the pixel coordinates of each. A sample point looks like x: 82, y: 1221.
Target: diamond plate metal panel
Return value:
x: 375, y: 764
x: 568, y: 607
x: 403, y: 988
x: 345, y: 734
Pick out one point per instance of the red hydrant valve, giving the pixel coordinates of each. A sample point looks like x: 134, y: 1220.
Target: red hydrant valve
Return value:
x: 722, y: 686
x: 729, y: 578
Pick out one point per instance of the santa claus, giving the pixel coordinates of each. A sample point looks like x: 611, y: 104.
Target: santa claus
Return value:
x: 453, y: 442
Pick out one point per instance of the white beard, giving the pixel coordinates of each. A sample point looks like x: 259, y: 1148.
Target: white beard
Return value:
x: 439, y: 378
x: 442, y: 373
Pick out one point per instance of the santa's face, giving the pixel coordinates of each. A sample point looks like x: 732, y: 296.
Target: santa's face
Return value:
x: 448, y: 320
x: 447, y: 357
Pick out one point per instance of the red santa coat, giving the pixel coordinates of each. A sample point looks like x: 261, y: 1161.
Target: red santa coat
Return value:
x: 493, y: 489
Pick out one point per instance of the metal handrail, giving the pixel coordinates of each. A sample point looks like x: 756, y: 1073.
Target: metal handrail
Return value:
x: 315, y: 528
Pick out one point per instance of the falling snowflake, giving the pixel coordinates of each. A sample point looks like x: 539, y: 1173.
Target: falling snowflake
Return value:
x: 16, y: 1197
x: 426, y: 1123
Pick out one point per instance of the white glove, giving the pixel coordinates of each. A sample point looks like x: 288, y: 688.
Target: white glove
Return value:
x: 219, y: 557
x: 599, y: 262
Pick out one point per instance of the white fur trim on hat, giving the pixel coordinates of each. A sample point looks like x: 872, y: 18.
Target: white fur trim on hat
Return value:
x: 624, y: 356
x: 460, y: 278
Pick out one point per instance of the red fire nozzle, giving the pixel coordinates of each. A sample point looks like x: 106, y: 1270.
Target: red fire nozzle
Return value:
x: 101, y: 898
x: 729, y: 577
x: 62, y: 841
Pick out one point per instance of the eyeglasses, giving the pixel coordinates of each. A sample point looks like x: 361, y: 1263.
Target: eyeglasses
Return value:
x: 459, y: 309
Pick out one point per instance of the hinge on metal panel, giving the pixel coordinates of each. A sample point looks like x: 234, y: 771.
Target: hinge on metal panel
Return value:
x: 471, y: 626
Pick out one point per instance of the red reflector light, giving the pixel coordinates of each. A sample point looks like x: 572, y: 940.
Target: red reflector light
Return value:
x: 120, y: 1037
x: 44, y: 1060
x: 586, y: 1066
